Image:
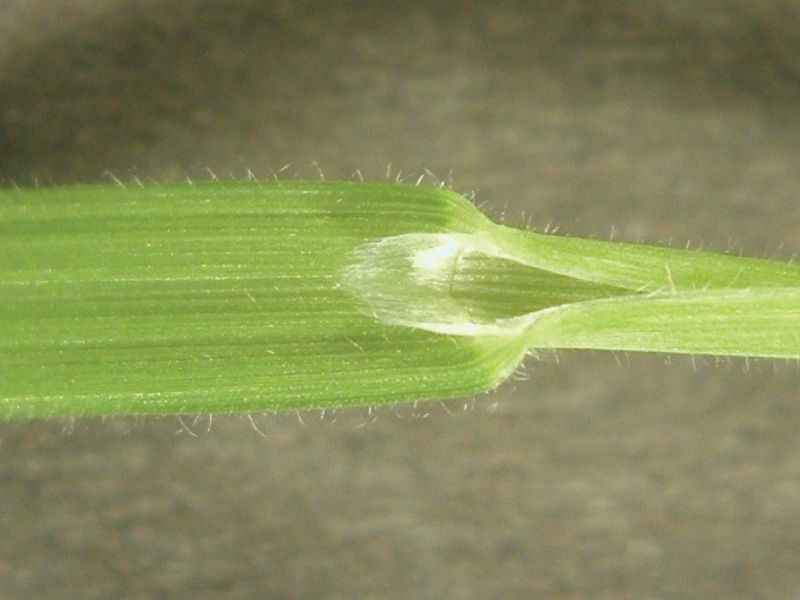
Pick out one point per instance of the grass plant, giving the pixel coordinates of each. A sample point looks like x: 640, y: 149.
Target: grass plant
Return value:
x: 249, y: 296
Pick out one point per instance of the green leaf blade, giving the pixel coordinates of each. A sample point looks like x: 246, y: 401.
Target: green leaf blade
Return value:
x: 756, y: 322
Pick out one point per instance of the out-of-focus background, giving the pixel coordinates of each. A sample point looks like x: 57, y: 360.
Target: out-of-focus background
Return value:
x: 590, y: 475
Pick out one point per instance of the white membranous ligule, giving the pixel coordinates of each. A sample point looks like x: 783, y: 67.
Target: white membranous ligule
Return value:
x: 407, y: 280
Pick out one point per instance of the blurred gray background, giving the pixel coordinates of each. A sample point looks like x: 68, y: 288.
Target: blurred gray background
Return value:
x: 588, y: 476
